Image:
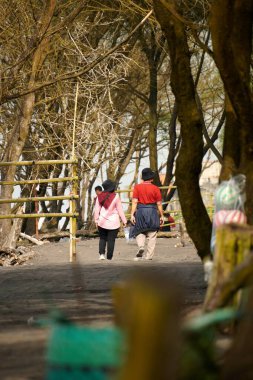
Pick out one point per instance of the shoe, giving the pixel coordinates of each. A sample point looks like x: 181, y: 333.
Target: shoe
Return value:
x: 138, y: 258
x: 102, y: 257
x: 140, y: 252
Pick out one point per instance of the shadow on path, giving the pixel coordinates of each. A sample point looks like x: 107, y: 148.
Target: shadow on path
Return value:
x: 82, y: 292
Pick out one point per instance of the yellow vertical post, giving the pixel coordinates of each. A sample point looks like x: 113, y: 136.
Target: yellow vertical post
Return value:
x: 74, y: 185
x: 73, y: 224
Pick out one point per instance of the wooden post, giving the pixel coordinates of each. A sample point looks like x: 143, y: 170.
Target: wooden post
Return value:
x: 36, y: 212
x: 73, y: 224
x: 72, y: 240
x: 147, y: 309
x: 233, y: 244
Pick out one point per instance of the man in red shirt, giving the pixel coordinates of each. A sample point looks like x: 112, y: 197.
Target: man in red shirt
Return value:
x: 146, y: 203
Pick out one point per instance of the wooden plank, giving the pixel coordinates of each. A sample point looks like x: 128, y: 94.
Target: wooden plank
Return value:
x: 42, y: 215
x: 37, y: 199
x: 46, y: 162
x: 32, y: 181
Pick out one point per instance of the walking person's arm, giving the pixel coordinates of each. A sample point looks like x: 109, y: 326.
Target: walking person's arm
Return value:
x: 134, y: 204
x: 134, y: 207
x: 160, y: 209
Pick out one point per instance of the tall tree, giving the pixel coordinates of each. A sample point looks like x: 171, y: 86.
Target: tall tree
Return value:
x: 152, y: 44
x: 231, y: 30
x: 18, y: 135
x: 189, y: 161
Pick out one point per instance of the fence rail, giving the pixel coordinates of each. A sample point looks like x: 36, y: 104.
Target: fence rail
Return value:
x: 43, y: 180
x: 72, y: 197
x: 41, y: 215
x: 30, y: 163
x: 38, y: 199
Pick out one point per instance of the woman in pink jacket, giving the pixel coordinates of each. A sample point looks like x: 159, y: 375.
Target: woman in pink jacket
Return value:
x: 107, y: 215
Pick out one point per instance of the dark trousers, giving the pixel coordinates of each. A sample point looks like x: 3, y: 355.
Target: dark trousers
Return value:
x: 107, y: 236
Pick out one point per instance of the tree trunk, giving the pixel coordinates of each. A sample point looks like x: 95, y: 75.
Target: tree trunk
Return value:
x: 135, y: 179
x: 51, y: 224
x: 172, y: 151
x: 29, y: 224
x: 231, y: 148
x: 153, y: 116
x: 231, y: 30
x: 91, y: 202
x: 153, y: 51
x: 152, y: 134
x: 14, y: 231
x: 131, y: 146
x: 13, y: 152
x: 189, y: 162
x: 84, y: 187
x: 19, y: 134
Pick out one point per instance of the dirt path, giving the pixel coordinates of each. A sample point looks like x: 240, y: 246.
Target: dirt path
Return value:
x: 28, y: 292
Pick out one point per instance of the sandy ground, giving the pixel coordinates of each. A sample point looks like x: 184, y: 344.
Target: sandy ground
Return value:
x: 49, y: 281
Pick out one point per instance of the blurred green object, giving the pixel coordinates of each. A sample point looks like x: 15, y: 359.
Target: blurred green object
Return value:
x: 77, y: 353
x: 86, y: 353
x: 214, y: 318
x: 199, y: 353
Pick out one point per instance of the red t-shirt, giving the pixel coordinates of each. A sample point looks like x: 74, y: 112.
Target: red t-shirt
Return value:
x: 146, y: 193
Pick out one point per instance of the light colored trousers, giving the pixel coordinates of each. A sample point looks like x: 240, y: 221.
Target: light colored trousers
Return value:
x: 151, y: 238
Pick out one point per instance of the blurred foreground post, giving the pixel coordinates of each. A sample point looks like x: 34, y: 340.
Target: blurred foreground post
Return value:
x: 147, y: 309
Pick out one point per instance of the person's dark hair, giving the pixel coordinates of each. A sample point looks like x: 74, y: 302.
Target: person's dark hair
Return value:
x: 98, y: 188
x: 109, y: 185
x: 147, y: 174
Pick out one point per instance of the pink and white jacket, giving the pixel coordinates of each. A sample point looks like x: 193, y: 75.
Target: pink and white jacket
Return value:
x: 109, y: 218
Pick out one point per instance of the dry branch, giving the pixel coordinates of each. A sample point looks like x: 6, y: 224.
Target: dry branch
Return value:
x: 30, y: 238
x: 75, y: 74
